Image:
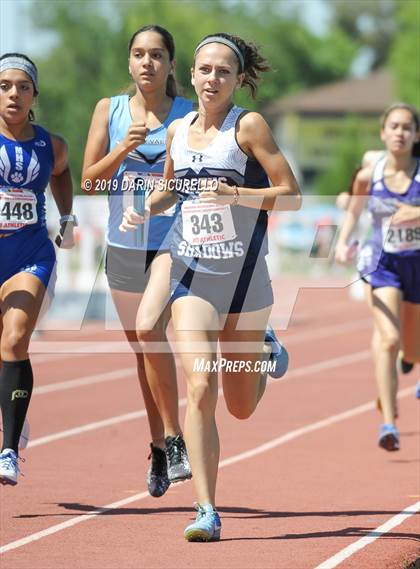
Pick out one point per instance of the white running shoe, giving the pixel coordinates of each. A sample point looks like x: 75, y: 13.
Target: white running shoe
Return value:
x: 24, y: 436
x: 9, y: 468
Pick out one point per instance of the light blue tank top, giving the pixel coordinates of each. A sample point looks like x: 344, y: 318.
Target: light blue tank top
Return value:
x: 146, y: 161
x: 25, y: 170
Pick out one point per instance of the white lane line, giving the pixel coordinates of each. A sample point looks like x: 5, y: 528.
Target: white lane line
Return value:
x: 370, y: 537
x: 95, y: 347
x: 292, y: 435
x: 302, y: 371
x: 72, y: 522
x: 85, y: 380
x: 326, y: 331
x: 96, y: 378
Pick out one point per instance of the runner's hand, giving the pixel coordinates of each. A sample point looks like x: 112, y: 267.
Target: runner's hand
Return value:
x: 131, y: 219
x: 136, y: 135
x: 223, y: 195
x: 65, y: 237
x: 342, y: 253
x: 406, y: 213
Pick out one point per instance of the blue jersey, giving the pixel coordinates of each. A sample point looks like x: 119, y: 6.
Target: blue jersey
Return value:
x: 146, y: 162
x: 25, y: 170
x: 216, y: 239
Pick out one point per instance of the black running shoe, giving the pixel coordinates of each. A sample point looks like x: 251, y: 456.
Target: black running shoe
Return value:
x: 177, y: 457
x: 403, y: 366
x: 157, y: 474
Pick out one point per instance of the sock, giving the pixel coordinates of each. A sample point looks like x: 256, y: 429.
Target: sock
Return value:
x: 16, y: 383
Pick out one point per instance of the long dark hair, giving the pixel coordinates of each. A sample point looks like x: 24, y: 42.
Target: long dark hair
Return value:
x: 254, y: 62
x: 168, y: 41
x: 31, y: 114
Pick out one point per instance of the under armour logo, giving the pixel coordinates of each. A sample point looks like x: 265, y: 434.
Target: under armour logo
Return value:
x: 197, y: 158
x: 19, y: 394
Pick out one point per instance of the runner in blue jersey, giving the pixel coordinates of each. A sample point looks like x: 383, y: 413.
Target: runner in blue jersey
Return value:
x: 220, y: 160
x: 126, y: 151
x: 30, y: 159
x: 391, y: 188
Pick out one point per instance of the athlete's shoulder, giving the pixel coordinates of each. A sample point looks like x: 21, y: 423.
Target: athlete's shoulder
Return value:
x: 372, y: 157
x: 60, y: 152
x: 103, y: 105
x: 362, y: 180
x: 252, y: 121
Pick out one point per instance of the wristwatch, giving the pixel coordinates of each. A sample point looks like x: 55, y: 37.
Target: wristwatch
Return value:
x: 71, y: 217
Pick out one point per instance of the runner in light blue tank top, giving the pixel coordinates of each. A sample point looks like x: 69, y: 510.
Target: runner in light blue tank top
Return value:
x: 125, y: 151
x: 147, y: 161
x: 30, y: 159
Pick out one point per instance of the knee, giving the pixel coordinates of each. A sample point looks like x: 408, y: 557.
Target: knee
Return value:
x: 200, y: 394
x: 390, y: 342
x: 241, y: 412
x: 14, y: 342
x: 148, y: 331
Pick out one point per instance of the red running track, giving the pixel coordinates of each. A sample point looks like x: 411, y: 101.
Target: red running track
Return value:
x: 301, y: 482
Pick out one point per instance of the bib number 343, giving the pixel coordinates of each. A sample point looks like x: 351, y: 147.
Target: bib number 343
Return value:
x: 207, y: 223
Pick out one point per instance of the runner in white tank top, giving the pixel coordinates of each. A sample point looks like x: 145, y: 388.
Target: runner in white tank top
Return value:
x: 225, y: 141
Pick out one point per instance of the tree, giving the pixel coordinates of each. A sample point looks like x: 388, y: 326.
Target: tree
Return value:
x: 369, y: 23
x: 89, y: 60
x: 347, y: 158
x: 405, y: 52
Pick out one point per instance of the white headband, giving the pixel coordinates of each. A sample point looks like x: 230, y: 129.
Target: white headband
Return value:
x: 17, y: 62
x: 228, y: 43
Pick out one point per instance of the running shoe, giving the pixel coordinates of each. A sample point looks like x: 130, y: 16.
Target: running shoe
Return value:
x: 24, y: 436
x: 403, y: 366
x: 176, y: 454
x: 9, y: 468
x: 418, y: 390
x: 207, y: 525
x: 389, y: 437
x: 278, y: 354
x: 157, y: 474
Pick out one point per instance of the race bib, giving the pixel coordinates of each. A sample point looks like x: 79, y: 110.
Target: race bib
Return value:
x: 17, y: 208
x: 133, y: 182
x: 397, y: 238
x: 206, y: 223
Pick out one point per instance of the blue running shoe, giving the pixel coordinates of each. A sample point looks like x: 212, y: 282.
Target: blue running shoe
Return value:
x: 207, y: 525
x: 418, y: 390
x: 9, y: 468
x: 389, y: 437
x: 278, y: 354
